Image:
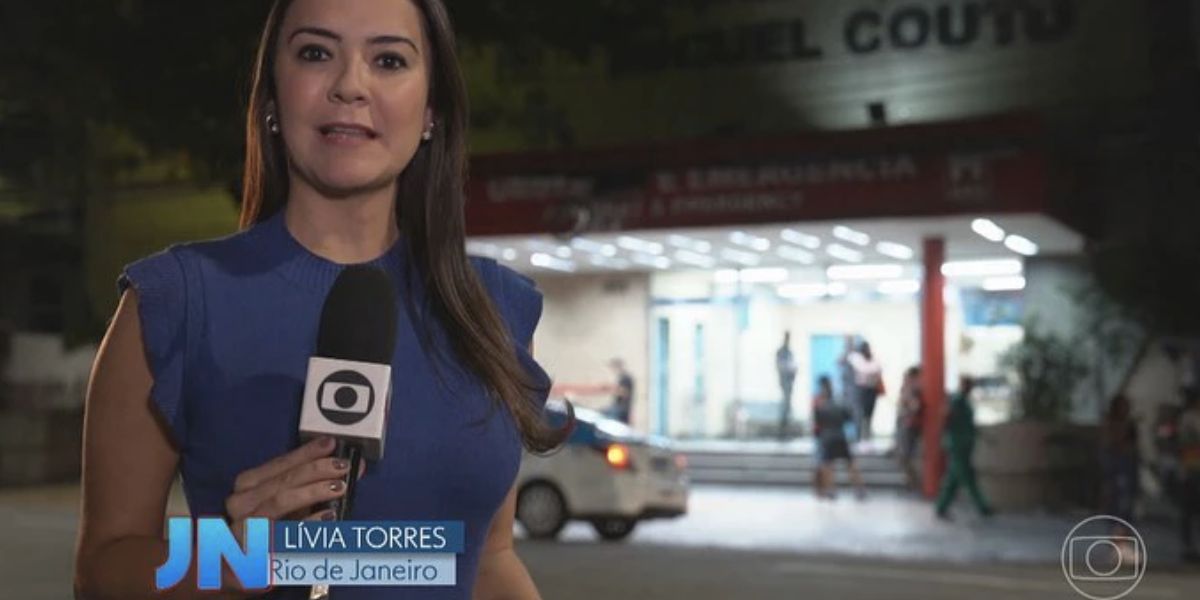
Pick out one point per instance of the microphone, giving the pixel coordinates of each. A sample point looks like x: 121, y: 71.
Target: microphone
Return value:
x: 348, y: 388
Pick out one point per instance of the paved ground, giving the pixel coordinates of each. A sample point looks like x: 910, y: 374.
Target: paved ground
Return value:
x: 644, y: 572
x: 887, y: 525
x: 734, y: 543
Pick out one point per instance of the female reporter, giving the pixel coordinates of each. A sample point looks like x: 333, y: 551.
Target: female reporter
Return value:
x: 355, y: 154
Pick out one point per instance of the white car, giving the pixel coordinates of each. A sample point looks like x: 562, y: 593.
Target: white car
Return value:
x: 606, y: 474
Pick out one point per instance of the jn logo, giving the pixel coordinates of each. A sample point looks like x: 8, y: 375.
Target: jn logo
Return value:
x: 214, y: 541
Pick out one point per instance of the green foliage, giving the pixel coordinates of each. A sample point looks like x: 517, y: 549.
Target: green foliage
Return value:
x: 1048, y: 368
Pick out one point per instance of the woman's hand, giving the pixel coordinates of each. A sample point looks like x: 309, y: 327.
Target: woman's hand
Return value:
x: 288, y: 487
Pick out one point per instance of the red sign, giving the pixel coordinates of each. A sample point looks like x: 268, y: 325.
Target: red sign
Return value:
x: 891, y: 172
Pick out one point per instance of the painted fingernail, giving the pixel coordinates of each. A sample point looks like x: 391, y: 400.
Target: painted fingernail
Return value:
x: 328, y: 516
x: 336, y: 486
x: 340, y: 464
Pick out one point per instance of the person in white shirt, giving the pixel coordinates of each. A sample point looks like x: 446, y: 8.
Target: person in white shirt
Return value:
x: 868, y: 376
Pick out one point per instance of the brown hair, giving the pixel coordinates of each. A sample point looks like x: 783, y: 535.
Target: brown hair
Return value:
x: 429, y: 212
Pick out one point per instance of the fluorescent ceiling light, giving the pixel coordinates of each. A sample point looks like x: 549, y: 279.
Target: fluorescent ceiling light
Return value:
x: 754, y: 242
x: 546, y: 261
x: 491, y: 250
x: 1004, y: 284
x: 541, y: 246
x: 611, y: 263
x: 594, y: 247
x: 900, y: 287
x: 894, y: 250
x: 649, y: 260
x: 836, y: 288
x: 795, y: 254
x: 698, y: 260
x: 841, y: 252
x: 639, y: 245
x: 865, y: 271
x: 988, y: 229
x: 562, y: 252
x: 482, y: 248
x: 842, y: 232
x: 792, y: 236
x: 1021, y: 245
x: 982, y: 268
x: 687, y: 243
x: 748, y: 259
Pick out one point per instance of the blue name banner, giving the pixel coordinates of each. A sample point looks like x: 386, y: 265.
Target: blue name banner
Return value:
x: 367, y: 537
x: 346, y: 569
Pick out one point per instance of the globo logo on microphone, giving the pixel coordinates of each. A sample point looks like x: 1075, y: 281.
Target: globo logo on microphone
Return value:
x: 346, y: 397
x: 348, y: 400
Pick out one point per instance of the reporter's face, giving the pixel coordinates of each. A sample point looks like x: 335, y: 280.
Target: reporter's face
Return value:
x: 352, y: 88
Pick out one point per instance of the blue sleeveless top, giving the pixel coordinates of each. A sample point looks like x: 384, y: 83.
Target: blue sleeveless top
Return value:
x: 228, y: 327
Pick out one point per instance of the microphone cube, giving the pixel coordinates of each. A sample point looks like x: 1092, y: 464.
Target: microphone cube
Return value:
x: 348, y: 400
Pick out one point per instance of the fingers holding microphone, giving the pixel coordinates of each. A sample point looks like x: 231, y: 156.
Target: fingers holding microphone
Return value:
x: 289, y: 487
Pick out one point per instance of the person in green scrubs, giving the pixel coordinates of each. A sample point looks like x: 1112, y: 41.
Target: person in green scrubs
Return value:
x: 958, y: 438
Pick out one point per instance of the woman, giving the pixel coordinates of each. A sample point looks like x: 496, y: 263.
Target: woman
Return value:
x: 829, y: 425
x: 868, y: 384
x: 355, y: 154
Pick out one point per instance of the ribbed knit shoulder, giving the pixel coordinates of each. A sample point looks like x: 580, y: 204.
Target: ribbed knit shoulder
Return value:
x: 520, y: 303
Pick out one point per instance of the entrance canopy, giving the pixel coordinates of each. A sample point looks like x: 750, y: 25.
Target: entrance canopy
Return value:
x: 975, y: 168
x: 852, y: 205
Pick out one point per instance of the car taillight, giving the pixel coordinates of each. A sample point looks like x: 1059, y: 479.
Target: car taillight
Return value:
x: 681, y: 462
x: 617, y: 456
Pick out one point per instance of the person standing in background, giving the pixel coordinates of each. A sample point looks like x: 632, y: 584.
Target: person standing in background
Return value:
x: 785, y: 364
x: 1189, y: 459
x: 958, y: 439
x: 829, y: 420
x: 622, y: 392
x: 868, y: 382
x: 846, y: 376
x: 1119, y: 464
x: 908, y: 425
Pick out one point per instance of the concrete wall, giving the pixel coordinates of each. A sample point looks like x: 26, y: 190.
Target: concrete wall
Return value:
x: 588, y: 320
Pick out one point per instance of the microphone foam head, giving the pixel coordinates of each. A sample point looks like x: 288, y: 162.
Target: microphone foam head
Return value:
x: 358, y: 321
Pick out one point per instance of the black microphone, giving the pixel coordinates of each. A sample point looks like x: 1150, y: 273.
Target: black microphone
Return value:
x: 348, y: 388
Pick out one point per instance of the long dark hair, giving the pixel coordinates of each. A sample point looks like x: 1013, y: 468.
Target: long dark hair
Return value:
x: 429, y: 212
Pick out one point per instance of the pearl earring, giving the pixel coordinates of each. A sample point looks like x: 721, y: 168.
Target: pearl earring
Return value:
x: 428, y: 133
x: 272, y: 123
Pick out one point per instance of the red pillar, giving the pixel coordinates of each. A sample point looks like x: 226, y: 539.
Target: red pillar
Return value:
x: 933, y: 363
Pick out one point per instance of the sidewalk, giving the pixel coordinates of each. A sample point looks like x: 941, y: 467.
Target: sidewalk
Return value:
x: 887, y: 525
